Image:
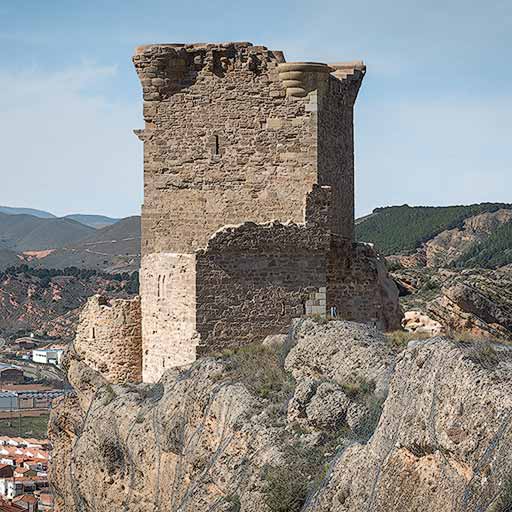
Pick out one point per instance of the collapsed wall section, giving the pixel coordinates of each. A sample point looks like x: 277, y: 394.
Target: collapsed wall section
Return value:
x: 168, y: 294
x: 252, y: 280
x: 359, y: 287
x: 109, y: 339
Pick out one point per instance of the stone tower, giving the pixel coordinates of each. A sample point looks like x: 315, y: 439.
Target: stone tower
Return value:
x: 248, y: 215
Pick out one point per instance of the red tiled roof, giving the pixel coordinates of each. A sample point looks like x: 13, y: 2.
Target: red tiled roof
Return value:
x: 7, y: 507
x: 25, y: 498
x: 45, y: 498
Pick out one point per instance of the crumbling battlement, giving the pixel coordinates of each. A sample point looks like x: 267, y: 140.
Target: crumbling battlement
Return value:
x: 109, y: 339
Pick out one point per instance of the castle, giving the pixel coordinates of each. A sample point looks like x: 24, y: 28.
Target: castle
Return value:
x: 248, y: 214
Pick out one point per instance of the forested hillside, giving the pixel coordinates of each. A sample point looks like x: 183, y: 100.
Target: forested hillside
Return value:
x: 494, y: 252
x: 402, y: 229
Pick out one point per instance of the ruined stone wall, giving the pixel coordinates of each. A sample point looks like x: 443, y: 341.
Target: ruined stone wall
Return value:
x: 359, y: 287
x: 109, y: 339
x: 168, y: 291
x: 252, y: 280
x: 240, y: 194
x: 222, y: 143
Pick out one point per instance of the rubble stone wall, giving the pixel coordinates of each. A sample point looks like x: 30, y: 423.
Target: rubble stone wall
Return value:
x: 252, y: 280
x: 336, y: 150
x: 109, y: 338
x: 359, y: 287
x: 168, y: 291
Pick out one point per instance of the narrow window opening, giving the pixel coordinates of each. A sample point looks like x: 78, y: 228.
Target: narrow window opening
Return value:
x: 163, y: 287
x: 216, y: 148
x: 93, y: 333
x: 159, y: 286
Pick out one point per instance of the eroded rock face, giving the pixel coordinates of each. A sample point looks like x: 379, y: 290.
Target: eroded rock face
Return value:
x: 477, y: 301
x: 205, y: 437
x: 449, y: 245
x: 443, y: 440
x: 219, y: 435
x: 415, y: 321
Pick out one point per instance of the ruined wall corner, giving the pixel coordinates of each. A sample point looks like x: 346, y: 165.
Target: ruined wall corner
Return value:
x: 109, y: 338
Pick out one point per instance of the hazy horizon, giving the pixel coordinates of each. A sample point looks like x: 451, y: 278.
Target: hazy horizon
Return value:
x: 432, y: 122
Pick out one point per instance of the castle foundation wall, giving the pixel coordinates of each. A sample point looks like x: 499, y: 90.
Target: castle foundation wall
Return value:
x: 168, y: 294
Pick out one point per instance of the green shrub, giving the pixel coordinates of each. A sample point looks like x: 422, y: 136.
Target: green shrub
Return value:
x: 287, y: 486
x: 109, y: 393
x: 484, y: 354
x: 400, y: 339
x: 504, y: 501
x: 358, y: 388
x: 261, y: 369
x: 234, y: 501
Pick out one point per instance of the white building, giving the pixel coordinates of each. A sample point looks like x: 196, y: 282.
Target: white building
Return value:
x: 47, y: 356
x: 9, y: 488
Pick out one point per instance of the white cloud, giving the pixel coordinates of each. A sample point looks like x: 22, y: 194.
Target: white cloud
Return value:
x: 65, y: 148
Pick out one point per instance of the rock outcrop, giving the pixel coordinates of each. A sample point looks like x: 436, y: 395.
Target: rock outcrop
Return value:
x: 443, y: 441
x: 475, y: 301
x: 291, y: 426
x: 448, y: 246
x: 417, y: 322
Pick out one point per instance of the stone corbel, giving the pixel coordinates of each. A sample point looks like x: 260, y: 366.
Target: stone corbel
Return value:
x: 301, y: 78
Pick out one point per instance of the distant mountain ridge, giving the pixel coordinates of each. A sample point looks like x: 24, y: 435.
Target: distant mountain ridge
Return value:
x: 9, y: 210
x: 85, y: 241
x: 95, y: 221
x: 22, y: 232
x: 113, y: 248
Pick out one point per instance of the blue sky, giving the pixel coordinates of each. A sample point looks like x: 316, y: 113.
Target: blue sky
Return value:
x: 433, y: 119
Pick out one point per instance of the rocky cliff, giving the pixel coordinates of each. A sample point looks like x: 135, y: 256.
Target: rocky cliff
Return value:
x: 475, y: 301
x: 332, y: 417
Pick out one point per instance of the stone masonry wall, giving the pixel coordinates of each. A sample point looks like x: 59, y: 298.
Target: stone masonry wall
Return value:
x: 168, y: 291
x: 336, y: 147
x: 248, y: 175
x: 109, y: 338
x: 359, y: 287
x: 222, y: 143
x: 252, y: 280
